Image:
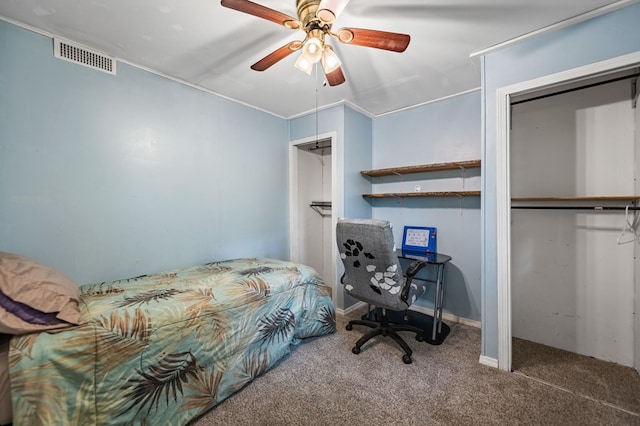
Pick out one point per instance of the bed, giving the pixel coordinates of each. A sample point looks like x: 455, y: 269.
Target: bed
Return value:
x: 166, y: 348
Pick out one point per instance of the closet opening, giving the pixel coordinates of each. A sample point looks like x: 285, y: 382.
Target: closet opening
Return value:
x: 574, y: 193
x: 311, y: 205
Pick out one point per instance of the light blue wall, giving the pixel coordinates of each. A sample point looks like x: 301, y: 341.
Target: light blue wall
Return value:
x: 601, y: 38
x: 439, y: 132
x: 357, y: 157
x: 106, y: 177
x: 325, y: 121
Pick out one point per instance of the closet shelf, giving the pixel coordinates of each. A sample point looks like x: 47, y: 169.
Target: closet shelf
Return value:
x: 591, y: 198
x: 423, y: 194
x: 422, y: 168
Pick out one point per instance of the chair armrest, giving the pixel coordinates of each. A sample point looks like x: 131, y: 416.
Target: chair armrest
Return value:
x: 411, y: 272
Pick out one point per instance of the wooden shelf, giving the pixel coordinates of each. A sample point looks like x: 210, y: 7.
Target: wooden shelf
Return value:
x: 423, y: 194
x: 595, y: 198
x: 422, y: 168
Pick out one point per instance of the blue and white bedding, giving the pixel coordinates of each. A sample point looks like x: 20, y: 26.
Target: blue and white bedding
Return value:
x: 166, y: 348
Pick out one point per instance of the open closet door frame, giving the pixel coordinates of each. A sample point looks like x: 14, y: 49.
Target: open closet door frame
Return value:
x: 503, y: 191
x: 637, y: 247
x: 337, y: 207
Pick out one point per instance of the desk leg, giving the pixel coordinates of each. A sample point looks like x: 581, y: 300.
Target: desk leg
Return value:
x: 441, y: 297
x: 438, y: 302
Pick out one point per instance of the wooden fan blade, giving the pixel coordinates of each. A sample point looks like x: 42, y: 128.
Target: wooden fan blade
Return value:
x: 335, y: 77
x: 395, y: 42
x: 263, y: 12
x: 276, y: 56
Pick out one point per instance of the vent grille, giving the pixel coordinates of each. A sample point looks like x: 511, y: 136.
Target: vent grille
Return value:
x: 77, y: 54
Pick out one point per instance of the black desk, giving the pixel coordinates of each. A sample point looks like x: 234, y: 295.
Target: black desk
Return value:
x: 439, y: 330
x: 439, y: 261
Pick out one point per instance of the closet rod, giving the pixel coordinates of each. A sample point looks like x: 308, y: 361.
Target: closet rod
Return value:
x: 561, y: 92
x: 576, y: 208
x: 319, y: 206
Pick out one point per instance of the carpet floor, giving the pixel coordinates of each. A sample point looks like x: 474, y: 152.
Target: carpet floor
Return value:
x: 322, y: 383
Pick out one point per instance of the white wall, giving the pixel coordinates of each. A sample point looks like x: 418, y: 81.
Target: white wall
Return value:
x: 572, y: 284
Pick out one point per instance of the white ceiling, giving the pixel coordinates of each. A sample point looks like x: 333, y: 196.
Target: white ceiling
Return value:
x: 211, y: 46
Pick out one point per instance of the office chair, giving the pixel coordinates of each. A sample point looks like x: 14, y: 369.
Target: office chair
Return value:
x: 374, y: 275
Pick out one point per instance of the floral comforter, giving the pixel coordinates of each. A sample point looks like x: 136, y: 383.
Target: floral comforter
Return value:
x: 163, y: 349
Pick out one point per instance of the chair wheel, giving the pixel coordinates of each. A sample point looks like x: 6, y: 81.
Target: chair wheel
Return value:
x: 406, y: 359
x: 356, y: 350
x: 419, y: 337
x: 349, y: 327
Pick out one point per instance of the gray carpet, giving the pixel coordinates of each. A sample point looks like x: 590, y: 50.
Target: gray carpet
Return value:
x: 322, y: 383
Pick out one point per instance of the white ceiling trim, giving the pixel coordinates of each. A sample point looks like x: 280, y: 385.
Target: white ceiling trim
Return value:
x: 466, y: 92
x: 152, y: 71
x: 203, y: 89
x: 562, y: 24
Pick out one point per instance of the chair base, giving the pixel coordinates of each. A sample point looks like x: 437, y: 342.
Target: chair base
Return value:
x: 384, y: 328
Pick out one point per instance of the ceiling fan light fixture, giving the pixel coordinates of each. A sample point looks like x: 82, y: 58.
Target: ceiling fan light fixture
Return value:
x: 313, y: 49
x: 304, y: 64
x: 330, y: 61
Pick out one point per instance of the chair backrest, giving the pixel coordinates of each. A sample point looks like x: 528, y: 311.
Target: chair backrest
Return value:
x: 372, y: 271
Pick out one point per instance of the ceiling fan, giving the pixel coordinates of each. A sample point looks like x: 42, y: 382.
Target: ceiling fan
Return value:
x: 315, y: 18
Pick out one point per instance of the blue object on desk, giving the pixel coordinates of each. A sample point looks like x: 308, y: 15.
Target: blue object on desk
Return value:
x: 419, y: 239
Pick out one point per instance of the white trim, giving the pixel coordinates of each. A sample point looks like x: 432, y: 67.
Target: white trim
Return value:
x: 446, y: 316
x: 294, y: 247
x: 211, y: 92
x: 444, y: 98
x: 503, y: 231
x: 342, y: 102
x: 557, y: 26
x: 143, y: 68
x: 370, y: 115
x: 337, y: 205
x: 489, y: 362
x: 351, y: 309
x: 503, y: 211
x: 337, y: 183
x: 450, y: 318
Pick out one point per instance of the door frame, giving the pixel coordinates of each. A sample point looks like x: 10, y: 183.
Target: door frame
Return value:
x: 337, y: 207
x: 503, y: 191
x: 637, y: 247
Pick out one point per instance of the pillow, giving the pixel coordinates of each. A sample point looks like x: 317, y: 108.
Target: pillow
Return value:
x: 35, y: 297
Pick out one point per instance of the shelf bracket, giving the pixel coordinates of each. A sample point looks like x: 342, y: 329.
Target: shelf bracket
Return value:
x: 461, y: 200
x: 635, y: 90
x: 462, y: 170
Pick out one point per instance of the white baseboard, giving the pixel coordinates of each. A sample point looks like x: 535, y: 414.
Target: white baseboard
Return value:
x: 488, y: 361
x: 351, y: 308
x: 447, y: 317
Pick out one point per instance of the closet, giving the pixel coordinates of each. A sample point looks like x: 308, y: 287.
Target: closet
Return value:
x: 574, y: 193
x: 313, y: 243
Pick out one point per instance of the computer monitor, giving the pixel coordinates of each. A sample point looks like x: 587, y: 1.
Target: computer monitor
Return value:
x: 422, y: 239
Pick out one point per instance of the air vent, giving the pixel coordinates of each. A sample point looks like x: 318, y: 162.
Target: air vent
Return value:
x: 77, y: 54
